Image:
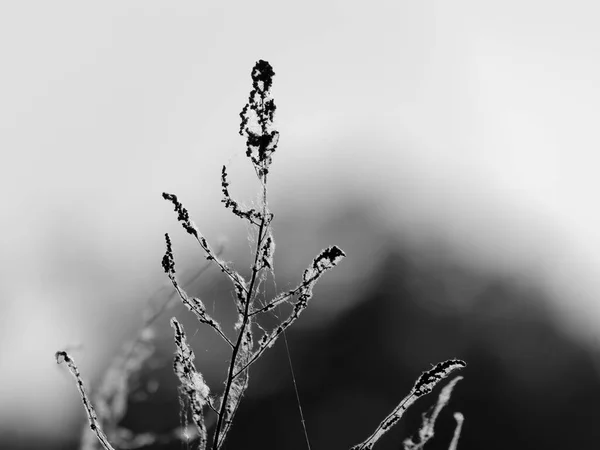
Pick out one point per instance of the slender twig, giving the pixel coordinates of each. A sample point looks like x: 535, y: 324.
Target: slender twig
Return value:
x: 194, y: 304
x: 426, y: 432
x: 285, y: 296
x: 190, y: 227
x: 326, y: 260
x: 459, y: 423
x: 424, y: 385
x: 62, y: 356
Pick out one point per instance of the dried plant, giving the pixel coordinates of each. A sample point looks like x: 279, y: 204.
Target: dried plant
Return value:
x: 248, y: 340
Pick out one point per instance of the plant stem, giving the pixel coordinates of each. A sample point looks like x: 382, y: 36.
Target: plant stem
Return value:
x: 246, y: 319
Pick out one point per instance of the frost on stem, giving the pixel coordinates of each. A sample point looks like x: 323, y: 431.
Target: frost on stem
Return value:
x: 424, y: 385
x: 327, y: 259
x: 62, y: 356
x: 426, y: 431
x: 194, y: 304
x: 192, y: 383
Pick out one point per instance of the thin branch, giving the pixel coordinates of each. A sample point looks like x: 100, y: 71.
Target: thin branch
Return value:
x: 426, y: 432
x: 251, y: 215
x: 194, y: 304
x: 166, y: 305
x: 62, y: 356
x: 285, y: 296
x: 326, y: 260
x: 424, y: 385
x: 459, y: 423
x: 212, y: 407
x: 189, y: 226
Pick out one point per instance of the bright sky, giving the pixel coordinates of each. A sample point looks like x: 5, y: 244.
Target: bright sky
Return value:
x: 478, y: 118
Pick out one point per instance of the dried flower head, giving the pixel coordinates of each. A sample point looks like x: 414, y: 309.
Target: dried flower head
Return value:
x: 257, y: 120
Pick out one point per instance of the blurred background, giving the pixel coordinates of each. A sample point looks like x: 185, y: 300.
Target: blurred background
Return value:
x: 450, y: 149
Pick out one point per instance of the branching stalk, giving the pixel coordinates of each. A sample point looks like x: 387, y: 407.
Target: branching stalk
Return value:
x: 261, y: 143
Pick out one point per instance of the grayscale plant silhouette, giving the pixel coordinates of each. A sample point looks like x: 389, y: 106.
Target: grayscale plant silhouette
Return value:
x: 247, y: 341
